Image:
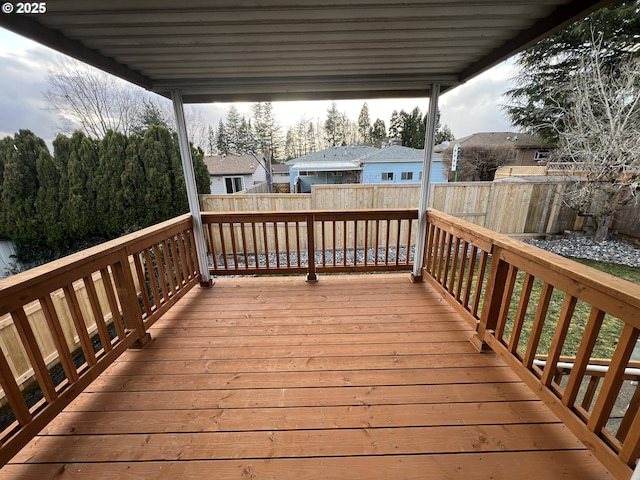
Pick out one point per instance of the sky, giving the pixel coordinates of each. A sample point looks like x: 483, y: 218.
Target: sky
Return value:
x: 24, y: 65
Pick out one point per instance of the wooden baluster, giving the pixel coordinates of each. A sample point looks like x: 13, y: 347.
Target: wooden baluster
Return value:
x: 408, y: 248
x: 192, y: 254
x: 473, y: 256
x: 429, y: 253
x: 629, y: 431
x: 266, y: 245
x: 212, y: 248
x: 590, y: 392
x: 113, y: 303
x: 151, y: 271
x: 13, y: 393
x: 312, y: 276
x: 34, y: 354
x: 444, y: 242
x: 482, y: 267
x: 223, y: 246
x: 377, y: 246
x: 613, y: 379
x: 398, y: 233
x: 186, y: 273
x: 177, y: 267
x: 256, y: 253
x: 366, y: 242
x: 287, y: 243
x: 298, y: 249
x: 538, y: 324
x: 59, y: 340
x: 96, y: 309
x: 512, y: 275
x: 492, y: 300
x: 143, y: 284
x: 521, y: 313
x: 129, y: 300
x: 234, y: 247
x: 245, y: 251
x: 559, y: 336
x: 386, y: 244
x: 78, y: 322
x: 344, y: 243
x: 582, y: 358
x: 277, y: 243
x: 162, y: 271
x: 454, y: 265
x: 463, y: 263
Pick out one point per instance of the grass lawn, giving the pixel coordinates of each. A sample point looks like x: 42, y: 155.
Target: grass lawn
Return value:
x: 611, y: 327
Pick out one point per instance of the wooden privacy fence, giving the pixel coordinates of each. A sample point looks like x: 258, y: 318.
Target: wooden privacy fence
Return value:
x: 537, y: 310
x: 505, y: 207
x: 310, y: 242
x: 165, y: 267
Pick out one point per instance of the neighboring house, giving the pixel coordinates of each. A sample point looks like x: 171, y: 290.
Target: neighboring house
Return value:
x: 7, y: 256
x: 530, y: 150
x: 397, y: 164
x: 335, y: 165
x: 233, y: 173
x: 280, y: 177
x: 359, y: 164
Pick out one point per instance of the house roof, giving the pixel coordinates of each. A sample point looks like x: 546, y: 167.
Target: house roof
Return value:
x: 280, y: 168
x: 253, y: 50
x: 395, y: 153
x: 328, y: 166
x: 231, y: 164
x: 336, y: 154
x: 486, y: 139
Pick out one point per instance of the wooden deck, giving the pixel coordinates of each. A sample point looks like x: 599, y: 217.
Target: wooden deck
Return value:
x: 361, y: 376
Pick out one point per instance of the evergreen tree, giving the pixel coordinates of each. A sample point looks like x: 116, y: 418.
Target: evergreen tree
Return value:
x: 555, y: 61
x: 444, y: 134
x: 378, y: 133
x: 109, y: 193
x: 232, y: 126
x: 134, y: 186
x: 364, y: 125
x: 150, y: 115
x: 201, y: 172
x: 211, y: 141
x: 48, y: 200
x: 222, y: 141
x: 413, y: 129
x: 334, y: 127
x: 395, y: 125
x: 81, y: 202
x: 20, y: 186
x: 156, y: 160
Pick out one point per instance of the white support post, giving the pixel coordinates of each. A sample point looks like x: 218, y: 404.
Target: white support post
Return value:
x: 429, y: 140
x: 192, y: 191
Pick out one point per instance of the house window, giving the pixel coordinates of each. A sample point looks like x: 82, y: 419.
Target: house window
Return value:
x: 306, y: 173
x: 543, y: 154
x: 387, y: 177
x: 336, y: 174
x: 406, y: 176
x: 234, y: 184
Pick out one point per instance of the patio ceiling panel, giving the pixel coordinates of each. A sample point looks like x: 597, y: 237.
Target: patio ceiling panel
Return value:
x: 258, y: 50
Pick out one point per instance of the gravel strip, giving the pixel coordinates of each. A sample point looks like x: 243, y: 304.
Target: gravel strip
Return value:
x: 610, y: 251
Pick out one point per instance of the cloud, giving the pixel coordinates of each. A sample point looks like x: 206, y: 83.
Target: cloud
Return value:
x: 476, y: 106
x: 22, y: 81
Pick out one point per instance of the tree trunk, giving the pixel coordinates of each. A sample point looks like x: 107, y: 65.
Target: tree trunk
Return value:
x: 602, y: 227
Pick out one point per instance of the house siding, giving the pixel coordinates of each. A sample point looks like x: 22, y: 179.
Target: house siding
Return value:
x: 218, y: 185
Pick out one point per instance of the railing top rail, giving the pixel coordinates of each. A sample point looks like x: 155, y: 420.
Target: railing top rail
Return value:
x: 292, y: 215
x: 576, y: 279
x: 16, y: 289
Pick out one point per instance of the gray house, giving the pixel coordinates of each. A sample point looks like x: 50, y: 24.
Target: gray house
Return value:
x: 359, y: 164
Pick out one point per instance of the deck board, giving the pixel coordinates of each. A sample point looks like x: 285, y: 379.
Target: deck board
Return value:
x: 366, y: 376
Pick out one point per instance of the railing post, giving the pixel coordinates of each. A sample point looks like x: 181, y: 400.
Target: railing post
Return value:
x: 128, y: 297
x: 492, y: 300
x: 312, y: 276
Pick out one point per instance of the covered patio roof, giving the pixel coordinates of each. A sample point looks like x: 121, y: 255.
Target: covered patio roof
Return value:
x: 256, y: 50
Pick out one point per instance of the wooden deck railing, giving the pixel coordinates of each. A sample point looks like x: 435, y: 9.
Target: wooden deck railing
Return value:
x: 530, y: 305
x: 310, y: 242
x: 159, y: 260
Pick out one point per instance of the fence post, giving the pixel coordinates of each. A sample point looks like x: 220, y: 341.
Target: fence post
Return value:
x: 493, y: 299
x: 128, y: 297
x: 312, y: 276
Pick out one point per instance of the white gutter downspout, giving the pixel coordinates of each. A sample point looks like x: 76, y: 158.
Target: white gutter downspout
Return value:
x: 192, y: 191
x: 429, y: 141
